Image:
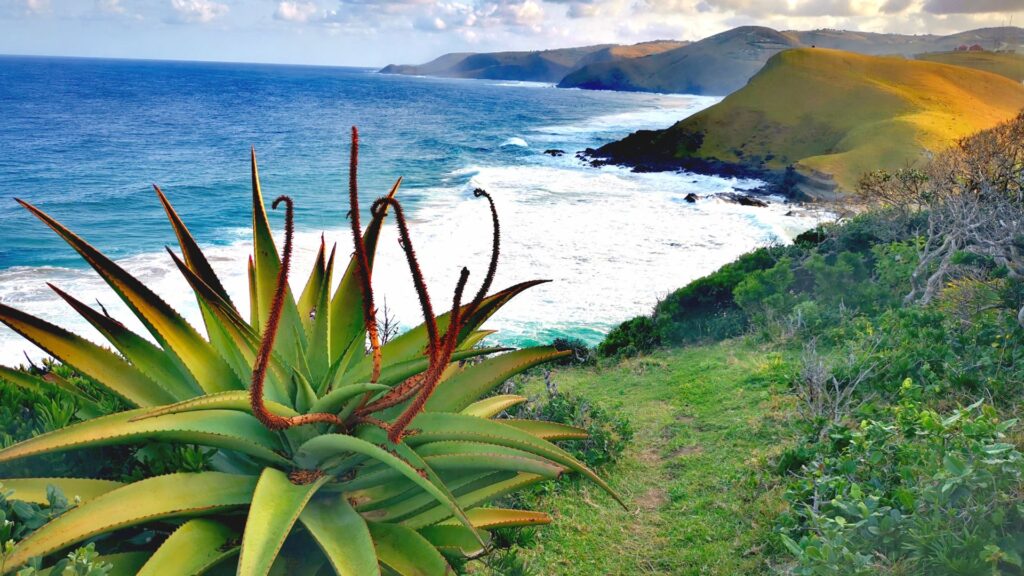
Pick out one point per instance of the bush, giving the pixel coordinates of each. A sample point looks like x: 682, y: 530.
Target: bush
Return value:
x: 765, y: 295
x: 630, y: 338
x: 582, y: 355
x: 914, y: 490
x: 608, y: 434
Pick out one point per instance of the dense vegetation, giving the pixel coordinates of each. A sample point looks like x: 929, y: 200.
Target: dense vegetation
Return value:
x: 908, y: 321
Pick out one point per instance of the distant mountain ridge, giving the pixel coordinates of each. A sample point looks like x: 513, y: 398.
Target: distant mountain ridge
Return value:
x: 720, y: 64
x: 717, y: 65
x: 536, y: 66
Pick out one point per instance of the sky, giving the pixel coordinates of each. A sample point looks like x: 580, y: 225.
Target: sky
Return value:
x: 374, y: 33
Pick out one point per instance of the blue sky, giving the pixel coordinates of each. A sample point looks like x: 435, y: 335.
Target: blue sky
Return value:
x: 373, y: 33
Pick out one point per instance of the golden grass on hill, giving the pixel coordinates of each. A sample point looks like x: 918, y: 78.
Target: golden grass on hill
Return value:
x: 1009, y: 64
x: 644, y: 48
x: 844, y: 114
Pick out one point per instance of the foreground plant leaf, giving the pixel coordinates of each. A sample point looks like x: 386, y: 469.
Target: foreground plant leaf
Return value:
x: 342, y: 534
x: 194, y: 547
x: 326, y: 455
x: 171, y: 496
x: 276, y: 505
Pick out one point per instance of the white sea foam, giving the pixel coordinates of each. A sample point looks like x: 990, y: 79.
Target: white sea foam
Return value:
x: 516, y: 142
x: 653, y: 111
x: 612, y: 241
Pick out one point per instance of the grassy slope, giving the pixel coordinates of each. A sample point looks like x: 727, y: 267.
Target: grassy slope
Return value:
x: 1009, y: 64
x: 706, y: 420
x: 843, y: 114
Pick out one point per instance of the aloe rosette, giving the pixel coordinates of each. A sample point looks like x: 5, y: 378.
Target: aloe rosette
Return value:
x: 334, y: 452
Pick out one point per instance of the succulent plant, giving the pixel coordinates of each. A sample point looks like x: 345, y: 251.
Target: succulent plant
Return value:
x: 330, y: 457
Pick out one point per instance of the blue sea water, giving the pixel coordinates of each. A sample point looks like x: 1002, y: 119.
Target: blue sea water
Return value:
x: 84, y: 140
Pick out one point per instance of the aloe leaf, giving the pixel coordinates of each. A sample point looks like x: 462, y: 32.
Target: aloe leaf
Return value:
x: 254, y: 306
x: 477, y: 456
x: 488, y: 518
x: 415, y: 501
x: 411, y: 344
x: 333, y: 401
x: 87, y: 407
x: 170, y: 496
x: 100, y: 364
x: 240, y: 341
x: 475, y: 338
x: 455, y: 539
x: 143, y: 354
x: 405, y: 452
x: 318, y: 340
x: 193, y: 548
x: 328, y: 446
x: 466, y: 387
x: 310, y: 296
x: 227, y: 429
x: 34, y: 489
x: 490, y: 407
x: 174, y: 334
x: 276, y: 506
x: 231, y: 400
x: 197, y: 264
x: 435, y: 426
x: 487, y: 491
x: 348, y: 327
x: 267, y: 262
x: 405, y: 552
x: 342, y: 534
x: 547, y: 430
x: 194, y: 256
x: 394, y: 373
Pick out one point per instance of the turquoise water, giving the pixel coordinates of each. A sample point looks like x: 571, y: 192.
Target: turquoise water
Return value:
x: 84, y: 140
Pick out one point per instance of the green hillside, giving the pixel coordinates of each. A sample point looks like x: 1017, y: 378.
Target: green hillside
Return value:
x: 1009, y: 64
x: 832, y: 113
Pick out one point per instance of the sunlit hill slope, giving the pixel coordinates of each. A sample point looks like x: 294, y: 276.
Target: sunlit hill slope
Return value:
x: 833, y: 114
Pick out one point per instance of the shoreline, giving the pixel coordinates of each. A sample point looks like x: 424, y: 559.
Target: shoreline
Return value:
x: 791, y: 183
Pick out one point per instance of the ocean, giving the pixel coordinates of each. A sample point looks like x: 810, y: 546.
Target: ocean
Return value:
x: 85, y: 139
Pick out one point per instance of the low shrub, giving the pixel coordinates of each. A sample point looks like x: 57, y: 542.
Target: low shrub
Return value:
x: 911, y: 491
x: 609, y: 434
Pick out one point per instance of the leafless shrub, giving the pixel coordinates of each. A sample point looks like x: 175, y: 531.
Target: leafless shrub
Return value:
x: 974, y: 198
x: 823, y: 396
x: 387, y: 324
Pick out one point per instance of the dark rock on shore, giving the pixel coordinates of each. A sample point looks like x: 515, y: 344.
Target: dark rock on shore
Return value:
x: 743, y: 200
x: 691, y: 198
x: 554, y: 152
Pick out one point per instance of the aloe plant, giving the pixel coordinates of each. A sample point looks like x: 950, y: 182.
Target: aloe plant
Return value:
x: 328, y: 457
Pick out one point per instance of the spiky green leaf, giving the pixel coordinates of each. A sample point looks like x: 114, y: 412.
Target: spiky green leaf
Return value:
x: 171, y: 496
x: 276, y: 506
x: 342, y: 535
x: 192, y: 549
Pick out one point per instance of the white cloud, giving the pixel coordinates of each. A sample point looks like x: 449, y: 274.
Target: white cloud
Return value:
x: 110, y: 6
x: 37, y: 6
x: 972, y: 6
x: 201, y: 11
x: 297, y: 11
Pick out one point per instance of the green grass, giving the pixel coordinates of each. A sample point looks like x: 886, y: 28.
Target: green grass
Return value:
x: 708, y: 421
